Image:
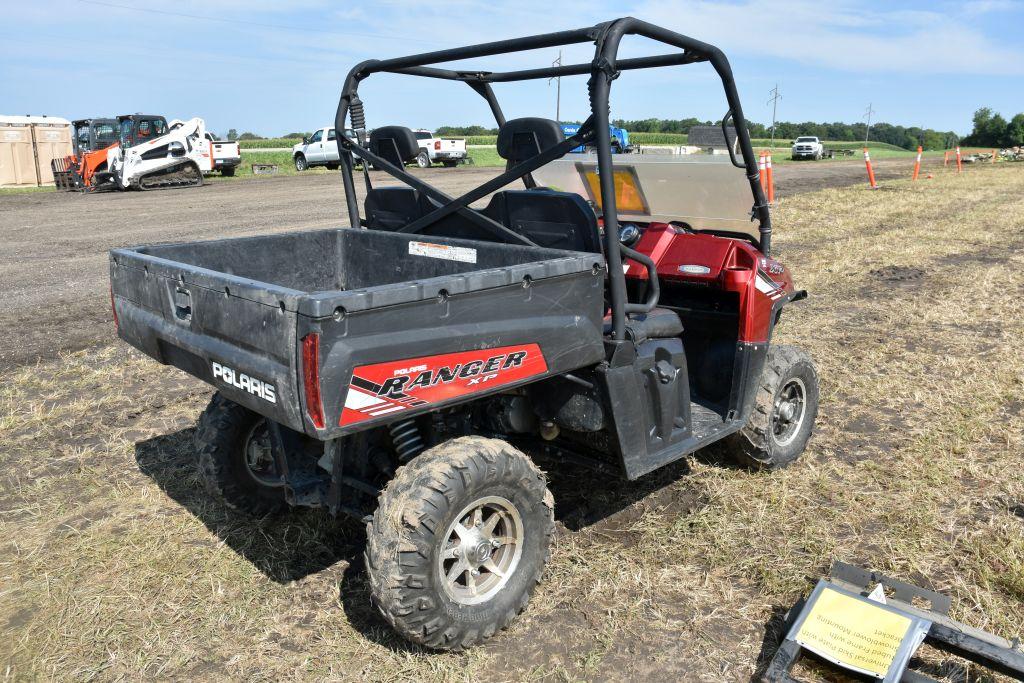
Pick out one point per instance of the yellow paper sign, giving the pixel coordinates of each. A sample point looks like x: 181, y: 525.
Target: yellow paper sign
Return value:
x: 854, y: 633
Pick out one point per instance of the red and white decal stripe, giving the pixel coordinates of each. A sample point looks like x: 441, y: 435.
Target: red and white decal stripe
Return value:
x: 396, y: 386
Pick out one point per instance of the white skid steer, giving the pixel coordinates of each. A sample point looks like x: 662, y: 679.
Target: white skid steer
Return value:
x: 153, y: 154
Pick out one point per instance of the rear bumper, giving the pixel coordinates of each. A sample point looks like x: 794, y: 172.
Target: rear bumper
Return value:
x: 448, y: 156
x: 227, y: 162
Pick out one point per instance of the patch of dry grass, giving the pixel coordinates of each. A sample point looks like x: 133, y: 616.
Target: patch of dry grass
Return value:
x: 114, y: 565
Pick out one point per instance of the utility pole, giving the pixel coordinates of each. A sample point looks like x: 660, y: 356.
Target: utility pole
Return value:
x: 558, y: 88
x: 867, y: 113
x: 774, y: 101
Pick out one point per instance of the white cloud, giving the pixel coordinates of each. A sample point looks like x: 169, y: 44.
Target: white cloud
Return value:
x: 843, y: 36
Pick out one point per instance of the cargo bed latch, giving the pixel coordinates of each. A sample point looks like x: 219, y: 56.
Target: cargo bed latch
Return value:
x: 182, y: 304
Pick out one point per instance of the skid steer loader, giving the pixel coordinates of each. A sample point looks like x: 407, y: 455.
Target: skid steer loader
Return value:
x: 152, y: 154
x: 90, y: 142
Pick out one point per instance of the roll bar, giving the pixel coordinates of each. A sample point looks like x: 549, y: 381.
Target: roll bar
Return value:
x: 603, y: 69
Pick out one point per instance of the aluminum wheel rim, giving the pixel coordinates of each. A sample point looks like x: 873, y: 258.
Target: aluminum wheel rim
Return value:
x: 259, y: 456
x: 480, y: 550
x: 789, y: 411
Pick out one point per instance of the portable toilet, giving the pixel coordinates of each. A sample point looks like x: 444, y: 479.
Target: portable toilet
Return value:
x: 27, y: 146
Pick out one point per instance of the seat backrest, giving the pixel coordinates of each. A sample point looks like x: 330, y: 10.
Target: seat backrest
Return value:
x: 396, y: 144
x: 557, y: 220
x: 389, y: 208
x: 392, y: 208
x: 522, y: 139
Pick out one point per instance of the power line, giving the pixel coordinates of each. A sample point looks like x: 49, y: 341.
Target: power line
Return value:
x: 774, y: 100
x: 558, y: 88
x: 867, y: 114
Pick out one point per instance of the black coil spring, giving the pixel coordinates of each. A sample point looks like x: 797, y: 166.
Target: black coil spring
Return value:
x: 356, y: 114
x: 406, y: 438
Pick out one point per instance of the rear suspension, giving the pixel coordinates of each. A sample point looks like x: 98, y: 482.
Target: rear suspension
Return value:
x: 406, y: 438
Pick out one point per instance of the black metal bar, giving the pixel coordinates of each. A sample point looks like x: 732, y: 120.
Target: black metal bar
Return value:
x: 435, y: 194
x: 583, y: 136
x: 674, y: 59
x: 600, y: 85
x: 572, y: 37
x: 348, y: 92
x: 487, y: 92
x: 955, y: 641
x: 429, y: 72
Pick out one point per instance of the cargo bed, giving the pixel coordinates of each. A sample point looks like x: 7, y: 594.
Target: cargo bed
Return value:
x: 234, y: 312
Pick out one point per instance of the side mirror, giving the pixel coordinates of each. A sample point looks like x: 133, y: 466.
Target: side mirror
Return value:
x: 305, y: 140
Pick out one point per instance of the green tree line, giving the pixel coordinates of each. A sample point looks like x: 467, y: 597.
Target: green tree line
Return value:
x: 992, y: 130
x: 901, y: 136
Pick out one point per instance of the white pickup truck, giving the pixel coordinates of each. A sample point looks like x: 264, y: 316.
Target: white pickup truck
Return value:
x: 439, y: 150
x: 808, y: 147
x: 226, y: 155
x: 321, y: 149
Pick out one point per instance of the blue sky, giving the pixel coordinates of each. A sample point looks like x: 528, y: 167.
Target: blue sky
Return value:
x: 274, y: 67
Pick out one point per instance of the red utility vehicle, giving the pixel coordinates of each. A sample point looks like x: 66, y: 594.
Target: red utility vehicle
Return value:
x: 401, y: 369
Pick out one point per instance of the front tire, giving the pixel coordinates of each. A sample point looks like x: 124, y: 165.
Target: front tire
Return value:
x: 300, y: 163
x: 784, y: 410
x: 458, y: 542
x: 236, y: 463
x: 423, y: 159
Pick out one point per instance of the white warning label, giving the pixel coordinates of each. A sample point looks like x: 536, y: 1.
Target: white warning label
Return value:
x: 443, y: 251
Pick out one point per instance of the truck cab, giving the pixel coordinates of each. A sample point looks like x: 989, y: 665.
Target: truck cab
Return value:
x: 808, y: 147
x: 320, y: 148
x: 619, y: 139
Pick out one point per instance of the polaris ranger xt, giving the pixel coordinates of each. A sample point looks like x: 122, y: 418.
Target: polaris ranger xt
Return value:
x: 394, y: 370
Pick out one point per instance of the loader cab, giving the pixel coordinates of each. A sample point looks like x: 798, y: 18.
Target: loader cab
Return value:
x: 94, y: 134
x: 135, y: 129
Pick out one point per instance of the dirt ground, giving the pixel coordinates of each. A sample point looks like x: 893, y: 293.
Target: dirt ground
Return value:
x: 53, y: 268
x: 114, y: 565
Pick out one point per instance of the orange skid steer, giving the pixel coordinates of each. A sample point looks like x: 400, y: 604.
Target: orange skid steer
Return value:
x: 92, y: 138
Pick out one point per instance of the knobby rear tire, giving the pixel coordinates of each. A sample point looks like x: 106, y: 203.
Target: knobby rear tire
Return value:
x: 220, y: 439
x: 408, y: 532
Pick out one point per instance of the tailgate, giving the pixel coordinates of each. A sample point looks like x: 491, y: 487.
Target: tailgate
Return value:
x: 225, y: 149
x: 234, y: 333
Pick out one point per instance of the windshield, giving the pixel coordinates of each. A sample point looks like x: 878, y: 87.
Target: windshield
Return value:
x: 143, y: 129
x: 106, y: 135
x: 82, y: 137
x: 806, y: 139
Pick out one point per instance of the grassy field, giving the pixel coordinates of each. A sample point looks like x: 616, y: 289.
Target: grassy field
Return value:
x: 268, y: 143
x: 116, y: 566
x: 285, y: 165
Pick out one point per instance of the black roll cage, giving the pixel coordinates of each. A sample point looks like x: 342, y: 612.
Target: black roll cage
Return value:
x: 603, y: 69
